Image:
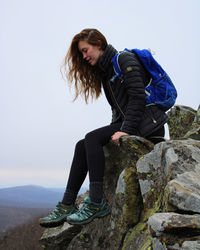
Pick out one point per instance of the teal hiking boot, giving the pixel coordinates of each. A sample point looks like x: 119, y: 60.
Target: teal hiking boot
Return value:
x: 89, y: 211
x: 58, y: 215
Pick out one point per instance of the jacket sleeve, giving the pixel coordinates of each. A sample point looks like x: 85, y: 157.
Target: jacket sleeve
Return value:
x: 133, y: 80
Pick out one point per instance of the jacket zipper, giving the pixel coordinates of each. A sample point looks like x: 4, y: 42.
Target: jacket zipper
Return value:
x: 116, y: 101
x: 154, y: 121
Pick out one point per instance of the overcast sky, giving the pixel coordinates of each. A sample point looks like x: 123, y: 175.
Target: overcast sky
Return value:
x: 39, y: 123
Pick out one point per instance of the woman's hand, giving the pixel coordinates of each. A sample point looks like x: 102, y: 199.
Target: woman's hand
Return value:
x: 117, y: 136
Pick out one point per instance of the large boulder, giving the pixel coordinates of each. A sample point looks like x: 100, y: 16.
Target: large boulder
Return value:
x: 194, y: 131
x: 169, y: 178
x: 180, y: 121
x: 184, y: 122
x: 170, y: 175
x: 160, y: 223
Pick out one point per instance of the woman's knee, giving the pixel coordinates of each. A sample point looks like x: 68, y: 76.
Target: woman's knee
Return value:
x: 92, y: 138
x: 89, y: 135
x: 80, y: 146
x: 97, y: 137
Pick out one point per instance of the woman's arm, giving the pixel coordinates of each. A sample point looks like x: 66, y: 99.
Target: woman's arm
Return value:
x: 133, y: 76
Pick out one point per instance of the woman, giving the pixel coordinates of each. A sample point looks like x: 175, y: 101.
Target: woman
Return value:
x: 90, y: 65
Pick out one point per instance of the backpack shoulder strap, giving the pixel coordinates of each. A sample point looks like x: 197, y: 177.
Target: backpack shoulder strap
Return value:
x: 152, y: 66
x: 115, y: 60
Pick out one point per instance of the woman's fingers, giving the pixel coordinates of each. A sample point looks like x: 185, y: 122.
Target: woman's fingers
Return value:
x: 117, y: 136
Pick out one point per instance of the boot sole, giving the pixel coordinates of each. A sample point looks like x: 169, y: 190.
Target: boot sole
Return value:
x: 52, y: 224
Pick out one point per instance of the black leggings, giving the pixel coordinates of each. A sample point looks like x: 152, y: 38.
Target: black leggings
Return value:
x: 89, y: 157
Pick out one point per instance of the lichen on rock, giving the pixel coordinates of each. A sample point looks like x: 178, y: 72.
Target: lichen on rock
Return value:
x: 180, y: 121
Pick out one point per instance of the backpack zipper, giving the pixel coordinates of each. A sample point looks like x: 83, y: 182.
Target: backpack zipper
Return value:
x: 116, y: 100
x: 151, y: 115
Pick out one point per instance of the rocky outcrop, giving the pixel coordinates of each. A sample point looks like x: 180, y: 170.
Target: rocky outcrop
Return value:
x: 184, y: 122
x: 153, y: 191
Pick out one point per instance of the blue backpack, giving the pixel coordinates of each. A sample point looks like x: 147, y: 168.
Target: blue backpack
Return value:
x: 160, y: 89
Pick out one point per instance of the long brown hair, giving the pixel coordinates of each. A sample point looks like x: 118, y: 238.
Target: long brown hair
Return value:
x: 86, y: 77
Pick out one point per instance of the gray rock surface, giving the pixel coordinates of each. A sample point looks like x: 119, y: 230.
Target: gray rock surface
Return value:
x: 169, y: 175
x: 56, y: 238
x: 157, y: 245
x: 184, y: 192
x: 191, y: 245
x: 160, y: 223
x: 121, y: 184
x: 194, y: 131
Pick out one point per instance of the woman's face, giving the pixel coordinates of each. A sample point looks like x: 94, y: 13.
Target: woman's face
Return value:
x: 90, y: 52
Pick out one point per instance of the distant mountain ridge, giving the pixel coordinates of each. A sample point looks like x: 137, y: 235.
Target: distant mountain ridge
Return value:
x: 20, y: 204
x: 31, y: 196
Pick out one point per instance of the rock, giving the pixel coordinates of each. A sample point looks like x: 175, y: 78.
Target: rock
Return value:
x: 121, y: 184
x: 180, y: 121
x: 176, y: 246
x: 184, y: 192
x: 194, y: 132
x: 160, y: 223
x: 93, y: 235
x: 197, y: 116
x: 59, y: 237
x: 152, y: 172
x: 172, y: 160
x: 184, y: 122
x: 137, y: 238
x: 189, y: 245
x: 157, y: 245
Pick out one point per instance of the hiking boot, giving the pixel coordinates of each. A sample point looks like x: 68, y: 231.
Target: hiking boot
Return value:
x: 89, y: 211
x: 58, y: 215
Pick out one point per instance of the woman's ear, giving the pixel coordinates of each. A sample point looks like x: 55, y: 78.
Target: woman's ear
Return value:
x: 99, y: 44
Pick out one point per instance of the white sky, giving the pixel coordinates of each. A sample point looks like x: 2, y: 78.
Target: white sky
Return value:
x: 39, y: 123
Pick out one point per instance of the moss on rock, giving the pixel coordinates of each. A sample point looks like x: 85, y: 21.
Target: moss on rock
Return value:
x: 180, y: 121
x: 133, y: 199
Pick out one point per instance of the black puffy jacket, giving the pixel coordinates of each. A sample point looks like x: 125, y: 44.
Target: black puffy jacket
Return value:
x: 127, y: 96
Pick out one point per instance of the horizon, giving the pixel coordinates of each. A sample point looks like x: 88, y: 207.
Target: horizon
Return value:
x: 32, y: 185
x: 45, y: 187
